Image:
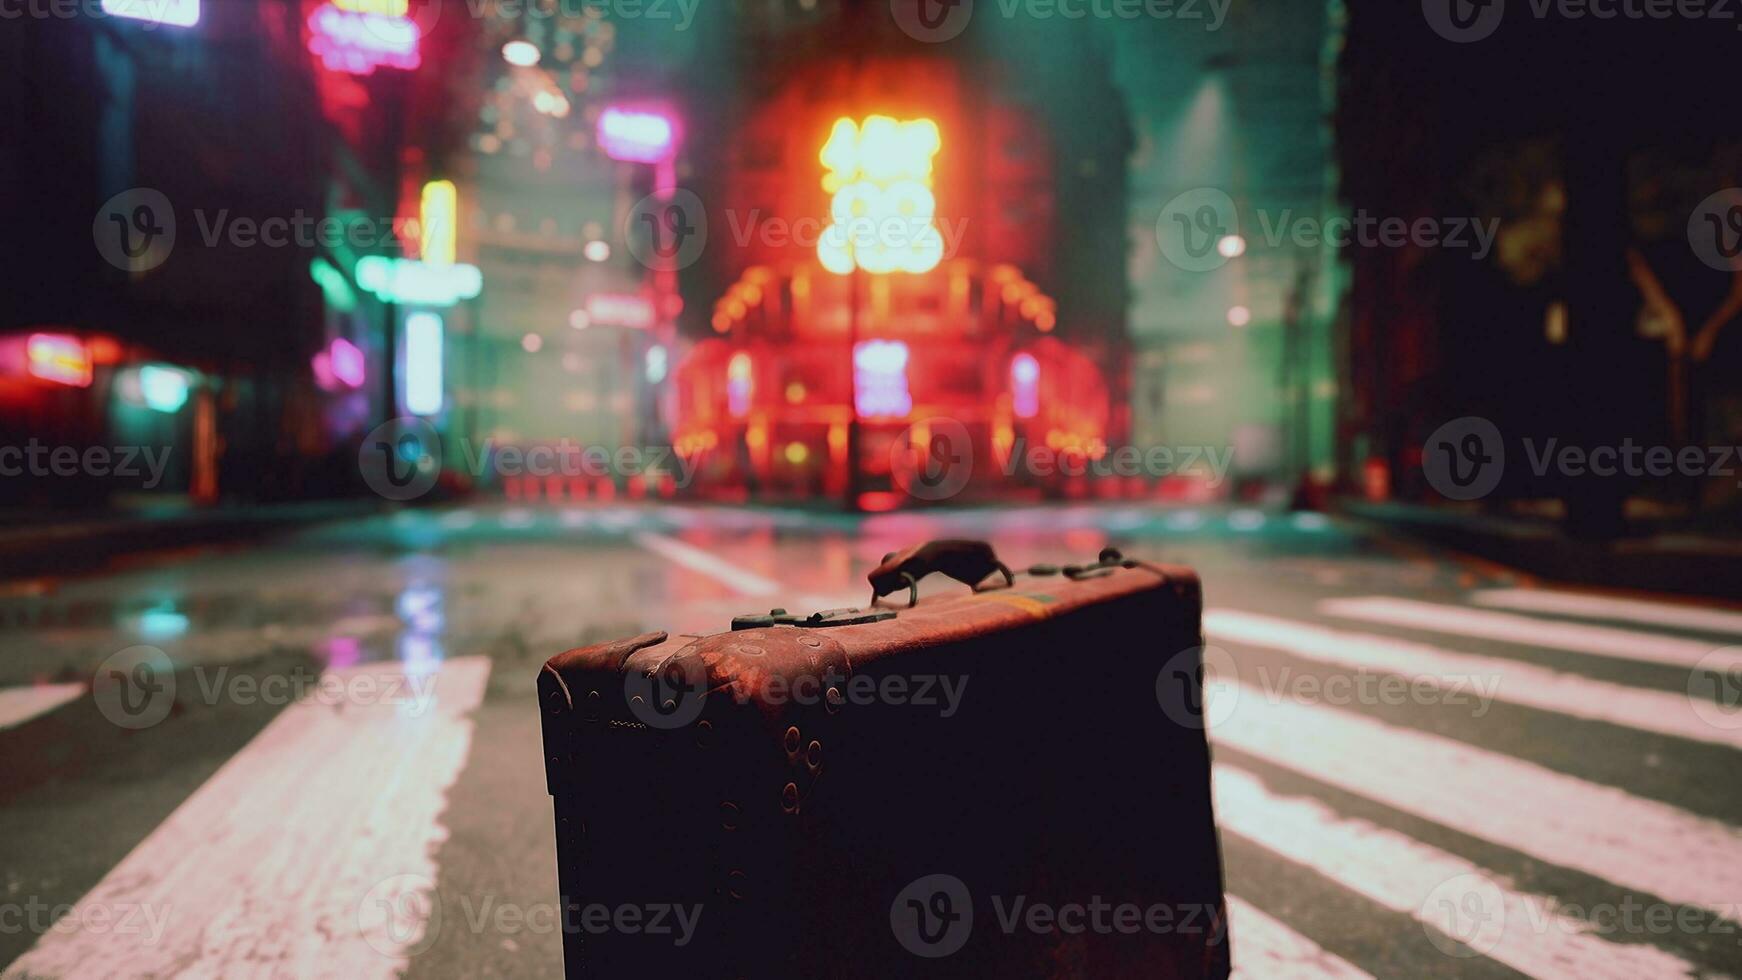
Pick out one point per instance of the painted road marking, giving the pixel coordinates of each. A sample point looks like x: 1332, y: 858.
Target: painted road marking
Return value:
x: 740, y: 580
x: 1447, y: 894
x: 267, y: 868
x: 1601, y: 641
x: 1512, y: 681
x: 20, y: 704
x: 1265, y: 949
x: 1600, y: 830
x: 1674, y: 614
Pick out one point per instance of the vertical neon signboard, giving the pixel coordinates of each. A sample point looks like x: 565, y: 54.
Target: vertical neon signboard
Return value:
x: 883, y: 210
x: 423, y: 364
x: 440, y: 211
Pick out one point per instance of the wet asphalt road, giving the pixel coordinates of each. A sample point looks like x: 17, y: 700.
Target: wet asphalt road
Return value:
x: 1425, y: 767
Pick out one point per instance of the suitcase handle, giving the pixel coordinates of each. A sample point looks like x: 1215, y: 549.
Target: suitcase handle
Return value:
x: 968, y: 562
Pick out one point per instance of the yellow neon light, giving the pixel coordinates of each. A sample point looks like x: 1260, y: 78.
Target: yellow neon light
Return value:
x: 380, y: 8
x: 884, y: 212
x: 439, y: 222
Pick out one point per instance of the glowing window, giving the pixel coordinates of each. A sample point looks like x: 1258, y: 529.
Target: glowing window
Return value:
x: 739, y: 384
x: 1025, y: 386
x: 880, y: 380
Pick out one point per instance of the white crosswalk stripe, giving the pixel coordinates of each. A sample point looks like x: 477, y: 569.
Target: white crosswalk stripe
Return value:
x: 1678, y: 615
x: 1512, y: 681
x: 1602, y: 831
x: 328, y: 817
x: 1601, y: 641
x: 1265, y: 949
x: 20, y: 704
x: 1447, y: 894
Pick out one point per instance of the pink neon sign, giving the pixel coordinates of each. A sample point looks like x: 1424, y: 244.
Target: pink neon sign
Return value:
x: 358, y: 43
x: 637, y: 137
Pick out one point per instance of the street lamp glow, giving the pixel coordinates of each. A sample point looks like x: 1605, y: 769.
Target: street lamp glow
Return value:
x: 1239, y: 316
x: 1231, y: 246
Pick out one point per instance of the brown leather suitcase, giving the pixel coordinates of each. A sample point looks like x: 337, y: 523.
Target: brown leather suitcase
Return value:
x: 1010, y: 782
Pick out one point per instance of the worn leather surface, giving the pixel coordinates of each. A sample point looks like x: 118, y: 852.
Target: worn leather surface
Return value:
x: 795, y: 819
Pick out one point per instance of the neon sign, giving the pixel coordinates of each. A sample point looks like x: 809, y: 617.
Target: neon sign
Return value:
x: 880, y: 380
x: 437, y: 224
x: 352, y: 37
x: 341, y: 365
x: 59, y: 358
x: 637, y: 137
x: 417, y: 283
x: 1025, y: 386
x: 739, y: 382
x: 883, y: 210
x: 423, y: 364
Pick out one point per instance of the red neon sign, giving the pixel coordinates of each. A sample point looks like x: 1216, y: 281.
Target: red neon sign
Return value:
x: 59, y: 358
